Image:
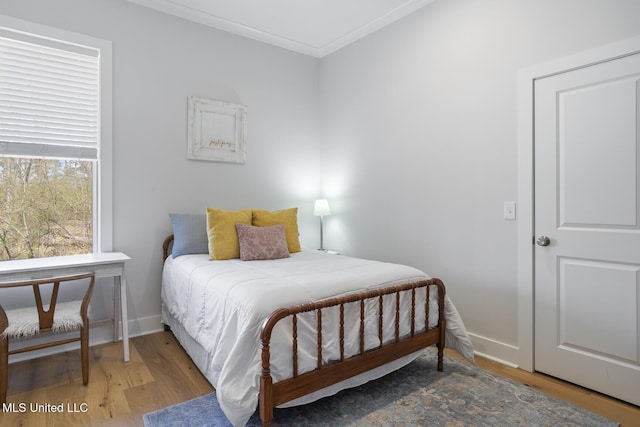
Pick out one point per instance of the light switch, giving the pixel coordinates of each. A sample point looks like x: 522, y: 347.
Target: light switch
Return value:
x: 509, y: 210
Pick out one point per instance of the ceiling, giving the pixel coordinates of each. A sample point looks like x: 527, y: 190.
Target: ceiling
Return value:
x: 312, y: 27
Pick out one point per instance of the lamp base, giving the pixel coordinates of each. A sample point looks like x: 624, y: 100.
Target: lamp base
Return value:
x: 330, y: 252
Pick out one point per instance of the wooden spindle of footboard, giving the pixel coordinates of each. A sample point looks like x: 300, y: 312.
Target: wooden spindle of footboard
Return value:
x: 341, y: 332
x: 266, y: 381
x: 294, y: 332
x: 426, y: 309
x: 362, y: 326
x: 319, y: 343
x: 413, y: 311
x: 397, y: 316
x: 442, y: 323
x: 266, y: 387
x: 380, y: 327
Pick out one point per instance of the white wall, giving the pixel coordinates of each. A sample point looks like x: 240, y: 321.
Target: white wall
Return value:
x: 419, y: 125
x: 158, y: 61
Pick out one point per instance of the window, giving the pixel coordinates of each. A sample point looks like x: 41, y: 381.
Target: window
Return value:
x: 55, y: 142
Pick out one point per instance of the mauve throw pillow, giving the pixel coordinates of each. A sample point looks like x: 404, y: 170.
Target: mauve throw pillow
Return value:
x: 262, y: 242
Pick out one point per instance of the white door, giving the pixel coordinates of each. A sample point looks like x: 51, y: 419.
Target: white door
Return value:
x: 587, y: 203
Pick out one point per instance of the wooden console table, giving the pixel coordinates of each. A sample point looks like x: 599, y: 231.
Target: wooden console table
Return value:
x: 106, y: 264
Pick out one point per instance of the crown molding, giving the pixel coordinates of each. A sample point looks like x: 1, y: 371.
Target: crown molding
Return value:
x: 392, y: 16
x: 172, y: 8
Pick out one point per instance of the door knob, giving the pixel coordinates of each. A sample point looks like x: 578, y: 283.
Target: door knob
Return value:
x: 543, y: 241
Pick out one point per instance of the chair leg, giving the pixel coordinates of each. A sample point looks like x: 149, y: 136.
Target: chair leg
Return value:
x: 84, y: 353
x: 4, y: 364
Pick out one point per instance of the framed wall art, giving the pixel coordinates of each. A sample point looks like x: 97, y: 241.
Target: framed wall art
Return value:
x: 216, y: 131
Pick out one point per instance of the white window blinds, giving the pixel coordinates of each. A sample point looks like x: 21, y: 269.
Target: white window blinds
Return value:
x: 49, y: 98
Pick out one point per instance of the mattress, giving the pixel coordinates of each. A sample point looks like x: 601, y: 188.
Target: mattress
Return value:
x: 221, y: 305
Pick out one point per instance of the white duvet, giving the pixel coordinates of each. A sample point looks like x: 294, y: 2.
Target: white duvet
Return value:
x: 222, y: 305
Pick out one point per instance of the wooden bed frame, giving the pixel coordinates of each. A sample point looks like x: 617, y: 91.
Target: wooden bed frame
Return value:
x: 274, y: 394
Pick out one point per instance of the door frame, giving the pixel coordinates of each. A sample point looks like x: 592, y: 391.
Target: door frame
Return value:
x: 526, y: 232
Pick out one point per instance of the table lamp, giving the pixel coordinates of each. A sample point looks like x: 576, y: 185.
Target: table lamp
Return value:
x: 321, y: 209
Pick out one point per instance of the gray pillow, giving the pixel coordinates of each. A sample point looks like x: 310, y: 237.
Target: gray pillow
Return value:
x: 189, y: 234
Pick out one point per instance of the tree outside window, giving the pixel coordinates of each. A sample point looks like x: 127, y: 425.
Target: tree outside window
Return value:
x: 45, y: 207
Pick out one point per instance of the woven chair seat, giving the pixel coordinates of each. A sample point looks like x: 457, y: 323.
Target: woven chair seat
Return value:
x: 24, y: 322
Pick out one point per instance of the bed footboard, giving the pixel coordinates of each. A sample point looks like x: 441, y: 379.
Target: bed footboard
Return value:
x: 274, y: 394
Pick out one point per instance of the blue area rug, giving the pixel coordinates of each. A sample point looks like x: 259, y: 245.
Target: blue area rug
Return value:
x: 416, y: 395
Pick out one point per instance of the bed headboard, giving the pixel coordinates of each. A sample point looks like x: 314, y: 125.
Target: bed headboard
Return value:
x: 167, y: 245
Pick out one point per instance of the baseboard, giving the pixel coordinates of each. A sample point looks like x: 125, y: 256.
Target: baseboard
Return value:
x: 144, y: 326
x: 495, y: 350
x: 101, y: 332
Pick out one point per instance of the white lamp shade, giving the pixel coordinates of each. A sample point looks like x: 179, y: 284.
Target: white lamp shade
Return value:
x: 321, y: 208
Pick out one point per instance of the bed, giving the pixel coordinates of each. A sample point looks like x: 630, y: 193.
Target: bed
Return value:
x: 284, y: 332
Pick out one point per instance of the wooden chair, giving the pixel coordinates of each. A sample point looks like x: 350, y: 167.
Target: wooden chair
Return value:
x: 54, y: 317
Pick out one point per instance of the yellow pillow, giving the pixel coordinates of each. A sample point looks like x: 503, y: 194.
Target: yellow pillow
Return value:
x: 288, y: 217
x: 222, y: 234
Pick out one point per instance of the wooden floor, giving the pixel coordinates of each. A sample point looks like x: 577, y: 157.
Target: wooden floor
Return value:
x: 161, y: 374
